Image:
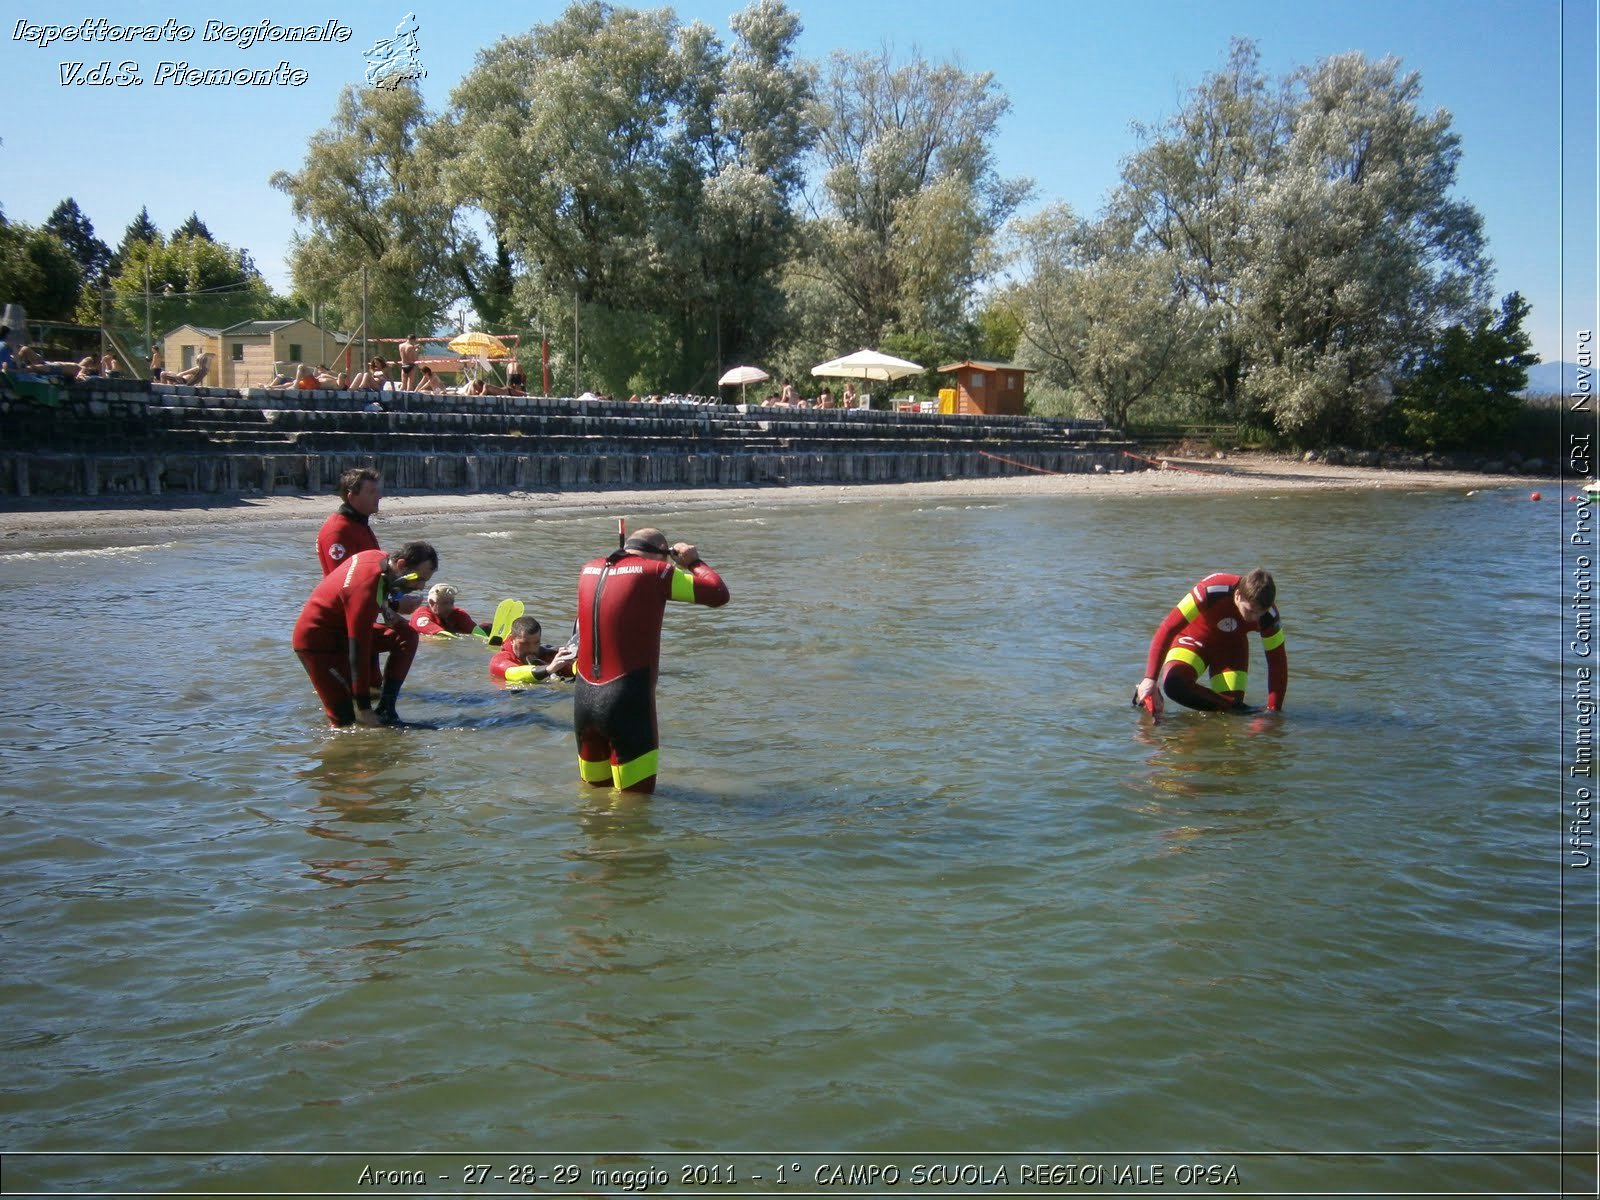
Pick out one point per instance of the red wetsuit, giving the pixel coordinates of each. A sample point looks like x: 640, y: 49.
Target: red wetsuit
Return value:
x: 1205, y: 635
x: 426, y: 622
x: 621, y: 602
x: 347, y: 532
x: 508, y: 667
x: 344, y: 533
x: 335, y: 636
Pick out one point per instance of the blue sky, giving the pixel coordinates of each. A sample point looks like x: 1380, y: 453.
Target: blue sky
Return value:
x: 1518, y: 77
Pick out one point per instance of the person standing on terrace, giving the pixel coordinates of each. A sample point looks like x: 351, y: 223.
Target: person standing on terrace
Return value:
x: 409, y: 350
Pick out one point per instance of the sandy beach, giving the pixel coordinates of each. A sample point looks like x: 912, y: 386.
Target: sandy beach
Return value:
x: 43, y: 523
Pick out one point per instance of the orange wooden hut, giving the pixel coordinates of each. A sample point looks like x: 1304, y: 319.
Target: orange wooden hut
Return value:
x: 992, y: 388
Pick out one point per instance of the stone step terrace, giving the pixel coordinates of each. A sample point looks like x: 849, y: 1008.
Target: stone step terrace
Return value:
x: 112, y: 436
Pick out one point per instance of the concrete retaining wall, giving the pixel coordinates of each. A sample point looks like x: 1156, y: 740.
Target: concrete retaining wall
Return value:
x: 125, y: 437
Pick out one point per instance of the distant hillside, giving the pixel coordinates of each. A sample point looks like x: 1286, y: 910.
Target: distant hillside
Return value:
x: 1560, y: 377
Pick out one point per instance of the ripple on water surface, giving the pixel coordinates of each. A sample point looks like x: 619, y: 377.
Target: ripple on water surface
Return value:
x: 916, y: 874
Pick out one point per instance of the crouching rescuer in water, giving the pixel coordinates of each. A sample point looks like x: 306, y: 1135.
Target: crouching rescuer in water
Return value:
x: 621, y: 601
x: 1205, y: 635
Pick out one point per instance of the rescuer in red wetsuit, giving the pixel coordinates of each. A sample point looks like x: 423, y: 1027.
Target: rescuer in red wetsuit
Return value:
x: 440, y: 614
x: 524, y: 660
x: 339, y: 623
x: 621, y: 601
x: 347, y: 532
x: 1205, y: 634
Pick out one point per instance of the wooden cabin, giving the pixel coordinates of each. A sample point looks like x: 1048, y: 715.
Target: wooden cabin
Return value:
x: 990, y: 388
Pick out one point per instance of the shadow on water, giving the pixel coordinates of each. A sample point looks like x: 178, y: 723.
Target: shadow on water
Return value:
x: 508, y: 705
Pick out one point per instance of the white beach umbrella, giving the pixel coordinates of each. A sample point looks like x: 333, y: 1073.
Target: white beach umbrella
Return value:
x: 742, y: 376
x: 867, y: 364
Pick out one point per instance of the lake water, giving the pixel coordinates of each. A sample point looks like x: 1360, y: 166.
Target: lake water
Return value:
x: 918, y: 886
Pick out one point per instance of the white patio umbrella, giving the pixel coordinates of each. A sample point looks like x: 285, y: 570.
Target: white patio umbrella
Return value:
x: 742, y: 376
x: 867, y: 364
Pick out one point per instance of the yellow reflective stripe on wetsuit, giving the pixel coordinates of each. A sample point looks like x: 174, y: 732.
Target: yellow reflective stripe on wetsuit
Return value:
x: 1180, y: 654
x: 1226, y: 681
x: 682, y: 585
x: 625, y: 775
x: 1188, y: 607
x: 1273, y: 641
x: 524, y: 674
x: 1230, y: 681
x: 593, y: 772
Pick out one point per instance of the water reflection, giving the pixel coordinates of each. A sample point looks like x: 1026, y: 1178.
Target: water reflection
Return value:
x: 363, y: 777
x: 1227, y: 771
x: 621, y: 827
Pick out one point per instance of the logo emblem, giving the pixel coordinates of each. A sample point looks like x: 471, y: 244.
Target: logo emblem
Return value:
x: 336, y: 551
x: 1227, y: 624
x: 392, y: 61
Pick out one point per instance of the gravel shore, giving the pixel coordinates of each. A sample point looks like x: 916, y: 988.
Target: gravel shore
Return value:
x: 34, y: 524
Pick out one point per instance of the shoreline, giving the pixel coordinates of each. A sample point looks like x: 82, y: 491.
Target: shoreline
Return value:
x: 54, y: 523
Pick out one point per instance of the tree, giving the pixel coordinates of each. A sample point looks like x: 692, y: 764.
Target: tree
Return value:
x: 76, y: 232
x: 1189, y: 195
x: 563, y: 141
x: 190, y: 281
x: 1464, y: 390
x: 140, y: 229
x: 751, y: 121
x: 1106, y: 323
x: 997, y: 328
x: 380, y: 229
x: 38, y: 272
x: 1362, y: 252
x: 642, y: 173
x: 1312, y: 227
x: 193, y: 227
x: 910, y: 198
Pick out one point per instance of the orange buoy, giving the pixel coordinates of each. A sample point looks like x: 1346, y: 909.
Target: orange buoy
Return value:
x: 1535, y: 496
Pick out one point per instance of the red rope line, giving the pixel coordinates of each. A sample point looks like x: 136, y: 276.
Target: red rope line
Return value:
x: 1023, y: 465
x: 1161, y: 465
x: 1164, y: 465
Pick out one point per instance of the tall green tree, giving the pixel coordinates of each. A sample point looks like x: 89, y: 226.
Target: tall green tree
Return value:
x: 193, y: 227
x: 38, y: 272
x: 564, y: 133
x: 642, y: 173
x: 1189, y: 194
x: 1107, y: 324
x: 379, y: 227
x: 910, y: 198
x: 191, y: 280
x: 140, y: 229
x: 751, y: 119
x: 1464, y: 390
x: 69, y: 223
x: 1362, y: 251
x: 1310, y: 225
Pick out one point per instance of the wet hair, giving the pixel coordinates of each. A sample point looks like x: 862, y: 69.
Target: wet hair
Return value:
x: 647, y: 539
x: 442, y: 591
x: 524, y: 627
x: 350, y: 482
x: 1258, y: 588
x: 414, y: 554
